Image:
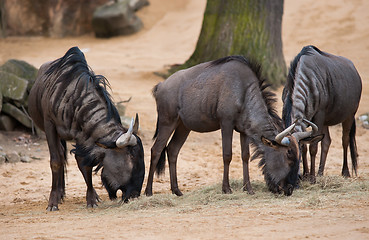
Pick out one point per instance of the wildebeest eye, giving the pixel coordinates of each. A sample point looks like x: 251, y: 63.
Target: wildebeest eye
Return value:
x: 290, y: 153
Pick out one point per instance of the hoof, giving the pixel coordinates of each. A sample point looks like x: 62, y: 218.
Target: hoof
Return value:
x: 52, y: 208
x: 177, y: 192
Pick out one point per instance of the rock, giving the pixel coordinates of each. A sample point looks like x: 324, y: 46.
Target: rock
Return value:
x: 13, y: 87
x: 6, y: 123
x: 2, y: 157
x: 25, y: 159
x: 17, y: 114
x: 13, y: 157
x: 1, y: 100
x: 138, y: 4
x: 57, y: 18
x: 21, y: 69
x: 114, y: 19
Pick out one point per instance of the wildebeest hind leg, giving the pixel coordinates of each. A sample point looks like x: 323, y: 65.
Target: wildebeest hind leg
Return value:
x: 57, y: 161
x: 245, y: 152
x: 179, y: 137
x: 91, y: 196
x: 346, y: 127
x: 227, y: 133
x: 160, y: 143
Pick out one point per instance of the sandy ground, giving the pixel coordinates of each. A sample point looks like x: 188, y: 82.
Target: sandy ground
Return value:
x: 169, y: 37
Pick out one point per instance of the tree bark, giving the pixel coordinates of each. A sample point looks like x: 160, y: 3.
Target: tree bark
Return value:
x: 251, y: 28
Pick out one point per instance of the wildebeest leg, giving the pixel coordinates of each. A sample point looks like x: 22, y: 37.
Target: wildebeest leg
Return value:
x: 91, y: 195
x: 245, y: 153
x: 305, y: 165
x: 179, y: 137
x: 227, y: 133
x: 161, y: 141
x: 313, y: 149
x: 346, y: 127
x: 57, y: 161
x: 326, y: 142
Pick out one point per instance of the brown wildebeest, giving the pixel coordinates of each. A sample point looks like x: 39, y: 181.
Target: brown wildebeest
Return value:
x: 326, y: 90
x: 69, y: 102
x: 226, y: 94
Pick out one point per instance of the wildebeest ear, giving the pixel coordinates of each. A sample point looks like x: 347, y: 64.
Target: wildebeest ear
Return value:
x: 312, y: 139
x: 269, y: 143
x: 136, y: 125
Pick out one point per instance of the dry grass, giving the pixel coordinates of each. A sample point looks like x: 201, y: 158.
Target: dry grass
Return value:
x: 329, y: 191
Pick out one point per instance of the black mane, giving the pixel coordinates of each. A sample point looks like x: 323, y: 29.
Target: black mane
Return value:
x: 73, y: 65
x: 290, y: 84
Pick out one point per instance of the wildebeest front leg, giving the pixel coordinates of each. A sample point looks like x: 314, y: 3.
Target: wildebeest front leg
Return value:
x: 91, y: 196
x: 326, y: 142
x: 227, y: 133
x: 245, y: 152
x: 174, y: 146
x: 305, y: 165
x: 57, y: 161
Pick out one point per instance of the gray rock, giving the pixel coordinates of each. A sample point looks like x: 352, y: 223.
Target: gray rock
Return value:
x: 2, y: 157
x: 13, y: 157
x: 13, y: 87
x: 138, y: 4
x: 17, y: 114
x: 6, y: 123
x: 21, y: 69
x: 25, y: 159
x: 114, y: 19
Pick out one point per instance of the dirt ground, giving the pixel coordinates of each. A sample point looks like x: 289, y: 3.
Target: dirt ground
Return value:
x: 169, y: 37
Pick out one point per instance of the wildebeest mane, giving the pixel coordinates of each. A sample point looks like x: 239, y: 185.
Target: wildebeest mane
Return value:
x: 290, y: 84
x: 73, y: 66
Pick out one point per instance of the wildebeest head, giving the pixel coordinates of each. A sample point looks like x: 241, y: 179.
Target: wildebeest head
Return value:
x: 123, y: 166
x: 281, y: 158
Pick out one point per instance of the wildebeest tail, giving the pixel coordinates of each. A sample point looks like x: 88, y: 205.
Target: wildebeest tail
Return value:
x: 353, y: 148
x: 160, y: 167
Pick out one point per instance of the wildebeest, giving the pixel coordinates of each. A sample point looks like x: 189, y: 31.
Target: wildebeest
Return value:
x: 69, y: 102
x: 325, y: 89
x: 227, y: 94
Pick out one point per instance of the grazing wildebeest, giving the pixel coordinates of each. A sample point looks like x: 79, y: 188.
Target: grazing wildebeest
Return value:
x: 326, y: 90
x: 226, y: 94
x: 69, y: 102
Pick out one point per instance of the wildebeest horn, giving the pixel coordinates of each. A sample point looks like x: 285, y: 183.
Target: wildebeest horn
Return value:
x: 127, y: 139
x: 302, y: 135
x: 281, y: 137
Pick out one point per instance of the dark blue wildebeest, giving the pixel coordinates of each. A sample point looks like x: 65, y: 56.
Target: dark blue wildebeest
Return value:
x: 326, y: 90
x: 69, y: 102
x: 227, y: 94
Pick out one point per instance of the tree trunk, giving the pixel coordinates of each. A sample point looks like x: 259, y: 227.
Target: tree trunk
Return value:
x: 251, y: 28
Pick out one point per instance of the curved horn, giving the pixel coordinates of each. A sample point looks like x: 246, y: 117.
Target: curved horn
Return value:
x: 280, y: 138
x: 302, y: 135
x: 127, y: 139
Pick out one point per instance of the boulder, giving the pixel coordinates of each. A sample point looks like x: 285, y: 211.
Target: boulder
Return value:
x: 138, y: 4
x: 21, y: 69
x: 6, y: 123
x: 18, y: 114
x: 114, y: 19
x: 13, y: 87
